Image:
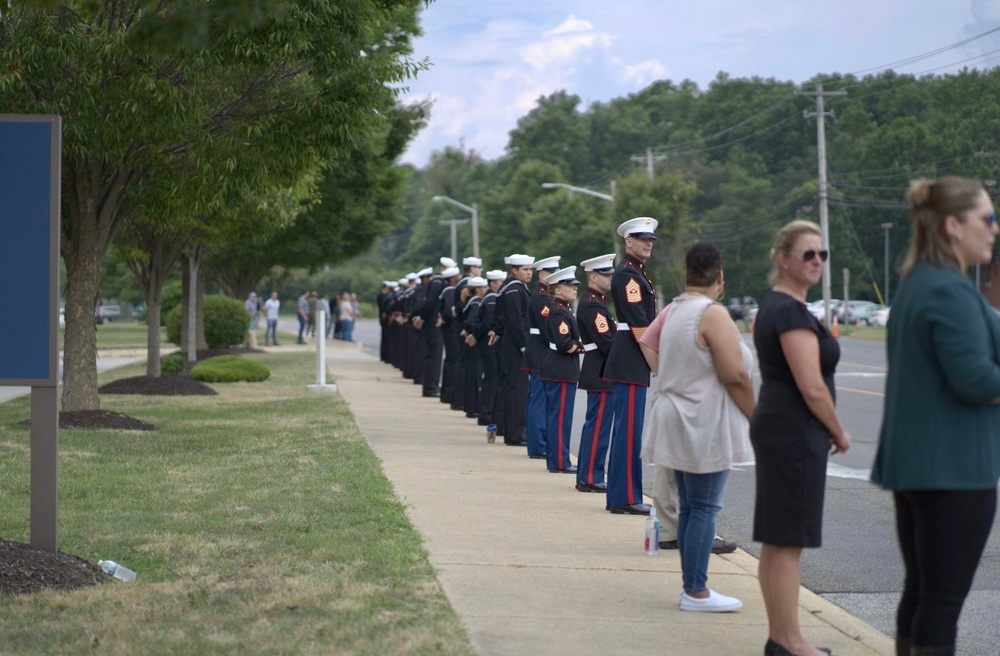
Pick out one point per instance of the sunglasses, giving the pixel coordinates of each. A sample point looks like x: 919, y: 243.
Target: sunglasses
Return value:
x: 810, y: 255
x: 991, y: 218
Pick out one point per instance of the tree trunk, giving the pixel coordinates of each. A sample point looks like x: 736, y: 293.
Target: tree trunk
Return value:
x: 91, y: 203
x: 153, y: 338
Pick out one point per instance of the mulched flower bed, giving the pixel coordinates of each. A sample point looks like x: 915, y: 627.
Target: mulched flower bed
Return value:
x: 179, y: 385
x: 24, y: 570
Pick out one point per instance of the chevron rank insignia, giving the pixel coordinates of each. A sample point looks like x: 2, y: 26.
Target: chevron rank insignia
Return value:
x: 563, y: 328
x: 601, y: 323
x: 545, y: 311
x: 633, y: 292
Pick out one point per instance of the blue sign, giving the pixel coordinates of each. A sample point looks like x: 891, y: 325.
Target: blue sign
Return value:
x: 29, y: 248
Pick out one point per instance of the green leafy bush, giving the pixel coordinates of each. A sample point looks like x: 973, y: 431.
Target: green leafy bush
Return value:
x: 226, y: 322
x: 230, y: 369
x: 172, y: 364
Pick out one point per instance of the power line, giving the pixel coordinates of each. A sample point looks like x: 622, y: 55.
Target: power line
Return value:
x: 916, y: 58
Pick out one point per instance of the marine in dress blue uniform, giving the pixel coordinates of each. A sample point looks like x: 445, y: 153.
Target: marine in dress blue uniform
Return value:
x: 536, y: 348
x: 597, y: 330
x: 625, y: 367
x: 560, y: 369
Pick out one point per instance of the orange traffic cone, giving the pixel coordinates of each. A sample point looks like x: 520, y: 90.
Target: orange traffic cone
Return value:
x: 836, y: 328
x: 857, y: 325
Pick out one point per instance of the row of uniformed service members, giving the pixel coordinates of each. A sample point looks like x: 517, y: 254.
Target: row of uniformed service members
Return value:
x: 511, y: 356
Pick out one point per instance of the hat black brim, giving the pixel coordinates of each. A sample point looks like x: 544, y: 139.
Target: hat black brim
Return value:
x: 643, y: 235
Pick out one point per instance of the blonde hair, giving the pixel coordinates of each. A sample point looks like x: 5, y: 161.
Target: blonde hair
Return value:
x: 931, y: 202
x: 785, y: 240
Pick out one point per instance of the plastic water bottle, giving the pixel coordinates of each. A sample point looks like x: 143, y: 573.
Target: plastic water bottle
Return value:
x: 652, y: 544
x: 120, y: 572
x: 491, y: 433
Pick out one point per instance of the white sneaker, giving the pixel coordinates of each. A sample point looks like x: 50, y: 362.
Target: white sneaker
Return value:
x: 713, y: 603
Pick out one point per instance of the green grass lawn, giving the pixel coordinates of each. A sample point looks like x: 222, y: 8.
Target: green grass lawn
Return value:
x: 121, y: 335
x: 259, y: 522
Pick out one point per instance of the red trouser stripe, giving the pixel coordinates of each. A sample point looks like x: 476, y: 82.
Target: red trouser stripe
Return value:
x: 562, y: 413
x: 593, y: 441
x: 630, y: 441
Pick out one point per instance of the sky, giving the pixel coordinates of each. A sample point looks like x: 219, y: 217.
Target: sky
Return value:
x: 491, y: 60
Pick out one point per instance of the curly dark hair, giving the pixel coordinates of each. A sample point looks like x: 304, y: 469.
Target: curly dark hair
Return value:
x: 703, y: 263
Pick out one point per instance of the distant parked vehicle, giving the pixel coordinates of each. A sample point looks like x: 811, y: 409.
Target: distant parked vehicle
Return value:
x: 860, y: 311
x: 816, y: 308
x: 880, y: 317
x: 109, y: 312
x: 740, y: 307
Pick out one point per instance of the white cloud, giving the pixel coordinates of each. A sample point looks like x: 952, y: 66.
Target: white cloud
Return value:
x: 645, y: 72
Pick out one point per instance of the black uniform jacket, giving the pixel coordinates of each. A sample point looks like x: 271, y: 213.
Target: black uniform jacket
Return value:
x: 432, y: 298
x: 635, y: 304
x: 479, y: 325
x: 512, y: 315
x: 597, y: 330
x: 562, y: 362
x: 538, y: 342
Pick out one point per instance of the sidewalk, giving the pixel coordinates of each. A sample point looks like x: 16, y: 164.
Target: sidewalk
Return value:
x: 534, y: 567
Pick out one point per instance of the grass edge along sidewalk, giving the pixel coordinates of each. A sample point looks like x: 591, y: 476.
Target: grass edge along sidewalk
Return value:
x: 258, y: 520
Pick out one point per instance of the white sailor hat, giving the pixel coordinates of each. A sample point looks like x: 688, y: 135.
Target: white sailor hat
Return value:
x: 472, y: 261
x: 447, y: 262
x: 477, y: 281
x: 506, y: 260
x: 429, y: 271
x: 412, y: 276
x: 394, y: 284
x: 450, y: 271
x: 496, y: 274
x: 547, y: 263
x: 404, y: 281
x: 518, y: 259
x: 565, y: 276
x: 600, y: 264
x: 641, y: 226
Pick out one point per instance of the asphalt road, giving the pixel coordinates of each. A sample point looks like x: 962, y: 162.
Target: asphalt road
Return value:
x: 858, y: 568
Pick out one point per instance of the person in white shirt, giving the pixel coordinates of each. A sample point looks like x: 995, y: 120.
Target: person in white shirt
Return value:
x: 271, y: 306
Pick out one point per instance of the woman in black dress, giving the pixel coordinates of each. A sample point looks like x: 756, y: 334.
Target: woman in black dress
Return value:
x: 792, y: 429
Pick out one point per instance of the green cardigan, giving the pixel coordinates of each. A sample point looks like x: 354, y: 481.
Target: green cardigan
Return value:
x: 939, y: 429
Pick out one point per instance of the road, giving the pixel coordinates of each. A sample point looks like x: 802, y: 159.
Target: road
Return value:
x: 859, y: 567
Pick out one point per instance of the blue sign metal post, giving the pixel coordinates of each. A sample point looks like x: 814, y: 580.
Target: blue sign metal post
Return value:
x: 30, y: 175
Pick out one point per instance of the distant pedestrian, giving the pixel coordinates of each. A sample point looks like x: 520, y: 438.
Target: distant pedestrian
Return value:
x: 939, y: 446
x: 346, y: 320
x: 302, y: 312
x: 271, y: 307
x: 311, y: 326
x: 251, y: 306
x: 323, y: 305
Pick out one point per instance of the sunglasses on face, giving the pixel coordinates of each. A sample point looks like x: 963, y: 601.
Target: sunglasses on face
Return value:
x: 991, y: 219
x: 810, y: 255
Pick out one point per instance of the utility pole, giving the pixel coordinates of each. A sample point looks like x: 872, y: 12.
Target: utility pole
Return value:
x: 649, y: 158
x: 824, y: 218
x: 887, y: 227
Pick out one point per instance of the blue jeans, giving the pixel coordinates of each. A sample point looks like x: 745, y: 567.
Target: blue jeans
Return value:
x: 271, y: 331
x: 347, y: 329
x: 700, y: 502
x: 302, y: 328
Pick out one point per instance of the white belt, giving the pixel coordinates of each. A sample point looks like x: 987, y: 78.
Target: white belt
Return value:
x: 590, y: 347
x: 553, y: 346
x: 623, y: 326
x: 534, y: 331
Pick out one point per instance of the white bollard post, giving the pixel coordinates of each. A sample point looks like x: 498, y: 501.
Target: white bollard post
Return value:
x: 321, y: 385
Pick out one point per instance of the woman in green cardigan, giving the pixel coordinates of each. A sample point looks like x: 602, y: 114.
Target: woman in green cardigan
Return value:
x: 939, y: 447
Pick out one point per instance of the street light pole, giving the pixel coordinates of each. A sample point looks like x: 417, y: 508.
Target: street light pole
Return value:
x: 887, y: 227
x: 589, y: 192
x: 474, y: 211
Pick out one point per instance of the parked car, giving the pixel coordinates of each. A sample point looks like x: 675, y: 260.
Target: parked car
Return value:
x: 880, y: 317
x: 109, y: 312
x: 816, y: 308
x: 859, y: 311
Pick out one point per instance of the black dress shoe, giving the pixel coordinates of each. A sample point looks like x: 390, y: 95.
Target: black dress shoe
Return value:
x: 772, y: 648
x: 515, y: 442
x: 633, y: 509
x: 669, y: 544
x: 471, y: 415
x: 565, y: 470
x: 482, y: 422
x: 588, y: 487
x: 537, y: 456
x: 432, y: 392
